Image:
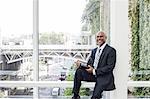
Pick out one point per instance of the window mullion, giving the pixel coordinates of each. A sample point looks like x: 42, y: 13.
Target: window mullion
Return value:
x: 35, y: 45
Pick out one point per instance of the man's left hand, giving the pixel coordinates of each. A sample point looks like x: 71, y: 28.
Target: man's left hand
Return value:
x: 90, y: 69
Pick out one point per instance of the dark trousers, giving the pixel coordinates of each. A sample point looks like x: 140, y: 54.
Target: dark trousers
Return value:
x: 81, y: 75
x: 97, y: 93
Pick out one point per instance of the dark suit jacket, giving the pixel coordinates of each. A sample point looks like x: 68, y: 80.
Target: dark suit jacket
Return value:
x: 104, y: 71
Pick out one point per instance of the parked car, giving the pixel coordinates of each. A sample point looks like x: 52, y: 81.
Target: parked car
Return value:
x: 55, y: 91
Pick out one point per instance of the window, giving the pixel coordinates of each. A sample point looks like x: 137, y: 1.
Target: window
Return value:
x: 16, y: 26
x: 41, y: 33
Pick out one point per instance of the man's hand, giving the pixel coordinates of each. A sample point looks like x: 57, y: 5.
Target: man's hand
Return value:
x: 78, y: 63
x: 90, y: 69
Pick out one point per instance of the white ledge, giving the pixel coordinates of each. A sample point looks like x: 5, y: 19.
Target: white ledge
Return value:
x: 62, y: 84
x: 43, y: 84
x: 138, y: 84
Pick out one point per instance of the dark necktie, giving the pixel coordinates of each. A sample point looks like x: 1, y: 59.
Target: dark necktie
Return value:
x: 97, y: 56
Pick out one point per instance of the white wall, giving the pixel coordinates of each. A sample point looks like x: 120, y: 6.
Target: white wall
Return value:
x: 119, y: 32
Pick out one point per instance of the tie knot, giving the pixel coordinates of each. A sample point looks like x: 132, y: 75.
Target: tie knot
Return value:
x: 99, y: 50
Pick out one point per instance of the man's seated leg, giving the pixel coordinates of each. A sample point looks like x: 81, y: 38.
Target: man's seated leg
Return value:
x: 96, y: 97
x: 76, y: 97
x: 97, y: 93
x: 81, y: 75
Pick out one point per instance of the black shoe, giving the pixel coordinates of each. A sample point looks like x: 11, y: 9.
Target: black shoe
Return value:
x: 76, y: 97
x: 95, y: 97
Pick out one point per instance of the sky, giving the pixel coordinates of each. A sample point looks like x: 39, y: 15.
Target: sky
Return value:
x: 54, y: 15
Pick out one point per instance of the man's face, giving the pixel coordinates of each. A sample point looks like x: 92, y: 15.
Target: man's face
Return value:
x: 101, y: 38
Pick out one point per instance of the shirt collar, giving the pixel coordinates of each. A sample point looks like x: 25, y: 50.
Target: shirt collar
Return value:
x: 102, y: 47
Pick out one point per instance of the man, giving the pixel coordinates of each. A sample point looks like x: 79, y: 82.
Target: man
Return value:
x: 99, y: 69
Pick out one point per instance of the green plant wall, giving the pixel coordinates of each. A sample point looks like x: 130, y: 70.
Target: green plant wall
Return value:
x: 139, y: 17
x: 144, y: 41
x: 134, y: 24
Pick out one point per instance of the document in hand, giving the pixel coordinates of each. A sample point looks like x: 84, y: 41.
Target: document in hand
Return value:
x: 85, y: 64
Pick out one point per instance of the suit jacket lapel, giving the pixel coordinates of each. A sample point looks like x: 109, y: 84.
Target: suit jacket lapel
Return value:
x: 103, y: 53
x: 93, y: 55
x: 94, y: 52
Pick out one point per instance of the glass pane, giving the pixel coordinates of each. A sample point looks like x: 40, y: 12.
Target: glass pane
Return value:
x: 63, y: 38
x: 140, y: 75
x: 140, y: 42
x: 67, y: 33
x: 62, y: 93
x: 16, y: 40
x: 138, y: 92
x: 16, y: 93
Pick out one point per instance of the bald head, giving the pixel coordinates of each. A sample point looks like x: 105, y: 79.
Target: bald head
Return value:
x: 101, y: 38
x: 101, y: 32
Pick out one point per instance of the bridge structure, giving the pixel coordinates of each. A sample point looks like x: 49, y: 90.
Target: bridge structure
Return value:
x: 17, y: 52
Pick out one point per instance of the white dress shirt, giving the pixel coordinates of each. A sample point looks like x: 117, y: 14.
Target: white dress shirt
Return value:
x: 97, y: 56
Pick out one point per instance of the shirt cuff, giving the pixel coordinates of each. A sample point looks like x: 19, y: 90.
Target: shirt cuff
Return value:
x: 94, y: 72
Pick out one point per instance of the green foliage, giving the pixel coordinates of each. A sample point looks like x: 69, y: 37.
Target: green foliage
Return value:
x: 134, y: 18
x: 144, y: 35
x: 147, y: 1
x: 142, y: 77
x: 70, y: 76
x: 68, y: 92
x: 51, y: 38
x: 141, y: 91
x: 139, y: 15
x: 83, y: 92
x: 91, y: 16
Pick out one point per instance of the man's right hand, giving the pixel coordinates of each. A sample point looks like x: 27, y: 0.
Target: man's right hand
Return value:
x: 78, y: 63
